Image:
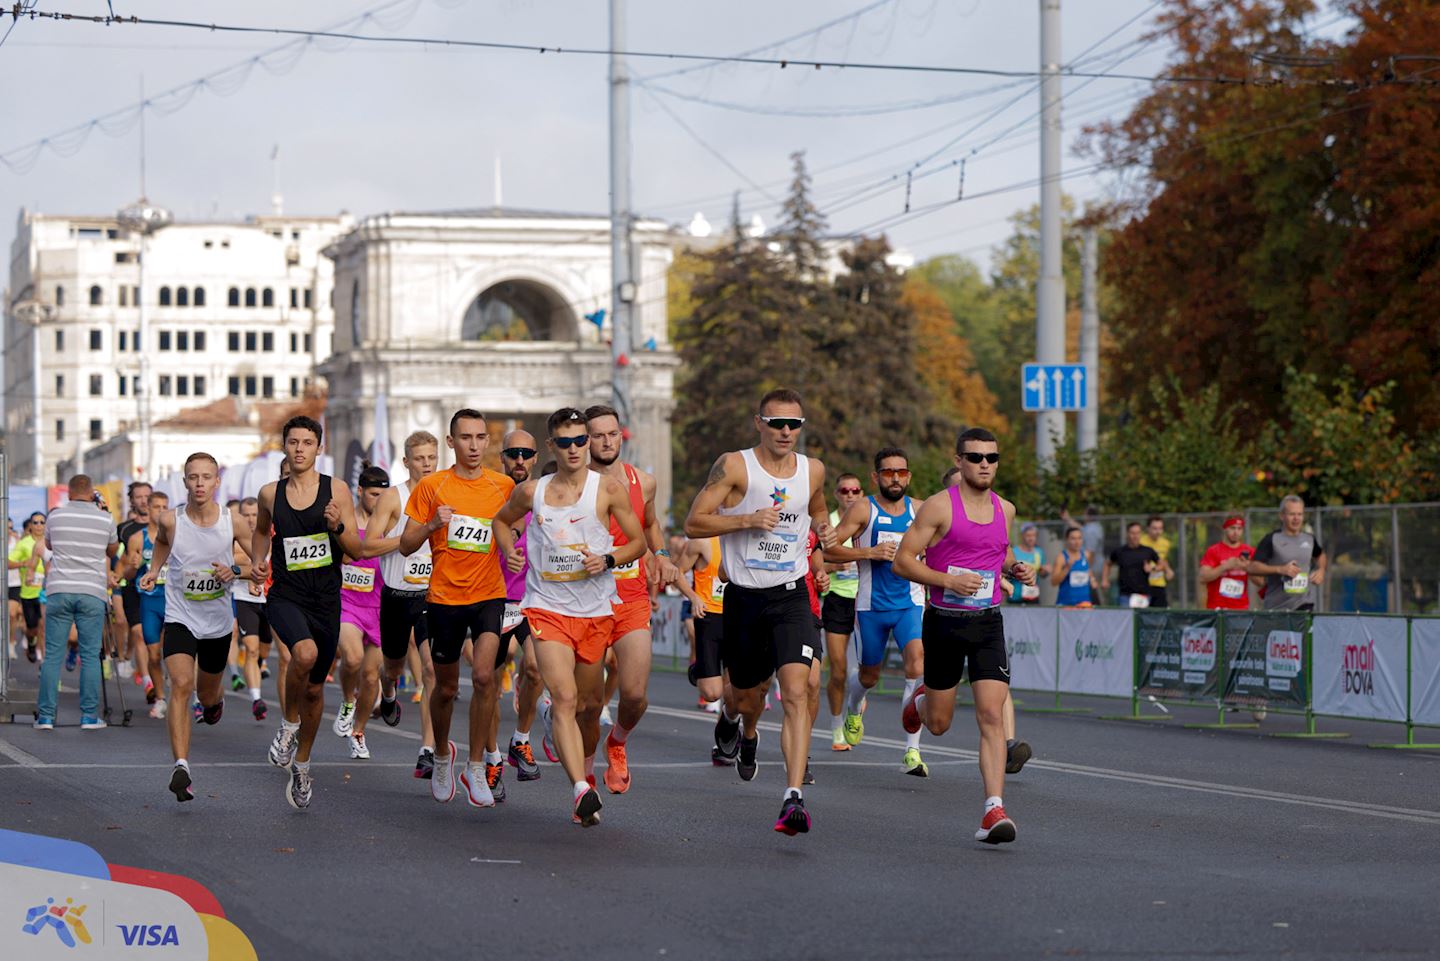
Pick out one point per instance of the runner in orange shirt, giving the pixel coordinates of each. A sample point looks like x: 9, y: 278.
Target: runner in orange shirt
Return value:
x: 453, y: 509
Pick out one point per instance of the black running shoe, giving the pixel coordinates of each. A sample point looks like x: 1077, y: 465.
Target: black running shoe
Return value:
x: 809, y: 778
x: 587, y: 809
x: 1015, y: 757
x: 30, y: 651
x: 793, y: 819
x: 390, y: 711
x: 522, y: 759
x: 746, y: 765
x: 727, y: 740
x: 264, y: 671
x: 180, y: 783
x: 211, y: 714
x: 425, y: 765
x: 150, y: 696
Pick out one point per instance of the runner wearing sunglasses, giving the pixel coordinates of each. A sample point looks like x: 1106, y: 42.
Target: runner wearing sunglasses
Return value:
x: 762, y: 502
x: 838, y: 614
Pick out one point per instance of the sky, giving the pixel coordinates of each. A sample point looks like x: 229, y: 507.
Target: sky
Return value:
x: 369, y: 128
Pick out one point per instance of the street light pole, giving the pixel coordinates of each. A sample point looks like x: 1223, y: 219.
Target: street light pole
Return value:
x: 144, y: 219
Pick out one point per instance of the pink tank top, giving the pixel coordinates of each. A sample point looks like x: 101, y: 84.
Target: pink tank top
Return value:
x: 968, y: 546
x: 515, y: 583
x: 360, y: 582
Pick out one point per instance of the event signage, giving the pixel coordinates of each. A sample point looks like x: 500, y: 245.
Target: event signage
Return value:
x: 1264, y: 658
x: 1179, y: 653
x: 1359, y: 664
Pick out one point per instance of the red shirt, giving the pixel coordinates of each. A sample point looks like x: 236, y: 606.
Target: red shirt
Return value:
x: 1229, y: 591
x: 631, y: 583
x: 810, y: 574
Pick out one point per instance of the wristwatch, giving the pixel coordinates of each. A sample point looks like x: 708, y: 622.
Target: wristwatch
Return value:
x: 339, y: 530
x: 235, y: 569
x: 662, y: 552
x: 609, y: 562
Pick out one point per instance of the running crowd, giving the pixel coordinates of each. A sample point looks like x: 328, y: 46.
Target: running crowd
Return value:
x: 552, y: 572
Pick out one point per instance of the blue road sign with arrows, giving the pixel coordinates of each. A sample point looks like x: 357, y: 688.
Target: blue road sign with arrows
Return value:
x: 1054, y: 387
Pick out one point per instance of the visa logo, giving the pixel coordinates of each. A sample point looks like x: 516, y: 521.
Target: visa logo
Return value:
x: 148, y: 935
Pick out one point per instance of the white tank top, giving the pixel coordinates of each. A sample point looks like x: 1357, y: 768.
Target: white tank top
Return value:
x: 757, y: 558
x: 402, y: 573
x: 194, y: 596
x: 556, y: 580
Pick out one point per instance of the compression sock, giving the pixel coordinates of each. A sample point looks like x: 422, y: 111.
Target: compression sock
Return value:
x: 618, y: 734
x: 911, y: 740
x: 854, y: 694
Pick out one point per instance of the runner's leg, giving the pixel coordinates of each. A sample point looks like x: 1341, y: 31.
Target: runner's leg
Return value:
x: 795, y: 727
x: 369, y: 688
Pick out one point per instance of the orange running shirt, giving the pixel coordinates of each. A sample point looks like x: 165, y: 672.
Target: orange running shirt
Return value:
x: 466, y: 559
x: 708, y: 586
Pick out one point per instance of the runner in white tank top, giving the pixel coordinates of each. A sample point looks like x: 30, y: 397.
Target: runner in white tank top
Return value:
x: 195, y: 547
x: 762, y: 503
x: 569, y: 587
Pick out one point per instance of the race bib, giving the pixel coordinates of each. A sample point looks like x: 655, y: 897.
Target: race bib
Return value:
x: 356, y: 578
x: 985, y: 597
x: 32, y: 578
x: 307, y: 552
x: 512, y: 617
x: 1298, y: 584
x: 627, y: 572
x: 469, y: 534
x: 160, y: 577
x: 717, y: 590
x: 1139, y: 600
x: 888, y: 537
x: 1029, y: 592
x: 1232, y: 587
x: 417, y: 570
x: 773, y: 551
x: 201, y: 585
x: 847, y: 573
x: 563, y: 562
x: 1079, y: 578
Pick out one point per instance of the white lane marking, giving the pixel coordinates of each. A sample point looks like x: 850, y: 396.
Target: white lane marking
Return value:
x: 1389, y: 812
x: 493, y: 861
x: 22, y: 758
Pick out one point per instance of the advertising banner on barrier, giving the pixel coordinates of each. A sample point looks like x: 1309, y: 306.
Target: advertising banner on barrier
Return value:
x: 667, y: 631
x: 1264, y: 658
x: 1179, y: 653
x: 1359, y: 665
x: 1425, y: 671
x: 1097, y: 655
x: 1030, y: 639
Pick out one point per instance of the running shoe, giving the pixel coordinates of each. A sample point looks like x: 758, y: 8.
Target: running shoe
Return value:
x: 837, y: 740
x: 522, y: 759
x: 258, y: 709
x: 996, y: 828
x: 425, y: 764
x: 72, y: 657
x: 211, y: 714
x: 89, y: 723
x: 507, y: 680
x: 358, y: 748
x: 43, y: 723
x: 30, y: 651
x: 476, y: 784
x: 180, y: 783
x: 909, y: 716
x: 617, y: 773
x: 809, y: 778
x: 793, y: 819
x: 1016, y: 755
x: 197, y: 711
x: 727, y: 741
x: 853, y: 729
x: 747, y: 765
x: 495, y: 777
x: 442, y: 782
x: 415, y: 698
x: 587, y: 809
x: 236, y: 683
x: 264, y: 671
x: 605, y: 719
x: 390, y: 711
x: 282, y: 747
x: 105, y: 668
x: 125, y: 669
x: 157, y: 710
x: 547, y: 743
x: 345, y: 720
x: 297, y: 788
x: 913, y: 764
x: 714, y: 706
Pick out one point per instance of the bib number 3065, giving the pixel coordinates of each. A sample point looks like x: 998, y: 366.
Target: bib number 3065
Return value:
x: 307, y: 551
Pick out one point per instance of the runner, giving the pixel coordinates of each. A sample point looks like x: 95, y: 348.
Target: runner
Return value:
x: 1028, y: 550
x: 1072, y: 573
x: 195, y: 548
x: 569, y: 585
x: 838, y: 614
x: 964, y: 534
x: 303, y: 519
x: 402, y: 600
x: 14, y: 580
x: 635, y: 584
x: 761, y: 502
x: 454, y: 509
x: 26, y: 554
x: 152, y: 602
x: 702, y: 558
x: 361, y: 583
x: 886, y: 605
x: 127, y: 599
x: 1225, y: 568
x: 1156, y: 539
x: 250, y: 619
x: 1134, y: 563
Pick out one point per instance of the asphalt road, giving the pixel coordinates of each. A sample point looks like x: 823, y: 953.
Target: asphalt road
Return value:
x: 1135, y: 841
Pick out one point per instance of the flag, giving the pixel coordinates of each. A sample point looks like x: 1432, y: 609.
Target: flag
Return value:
x: 380, y: 445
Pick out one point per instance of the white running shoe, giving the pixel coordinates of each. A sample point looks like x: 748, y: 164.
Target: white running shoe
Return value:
x: 282, y: 747
x: 157, y: 710
x: 345, y: 720
x: 125, y: 669
x: 477, y: 788
x: 714, y: 706
x: 358, y: 749
x: 605, y: 719
x: 442, y: 782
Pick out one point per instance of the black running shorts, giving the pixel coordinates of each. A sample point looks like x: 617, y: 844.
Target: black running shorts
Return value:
x: 954, y: 640
x: 318, y: 621
x: 210, y: 653
x: 14, y: 594
x: 252, y: 620
x: 400, y: 613
x: 838, y: 614
x: 131, y: 599
x: 1158, y: 597
x: 709, y: 635
x: 766, y: 629
x: 32, y: 609
x: 520, y: 633
x: 450, y: 623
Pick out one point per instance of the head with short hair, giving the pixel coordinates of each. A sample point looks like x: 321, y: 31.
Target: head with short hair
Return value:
x: 977, y: 443
x: 250, y: 509
x: 1074, y: 538
x: 951, y: 477
x: 159, y: 500
x: 139, y: 494
x: 422, y: 453
x: 34, y: 523
x: 848, y: 491
x: 469, y: 436
x: 1132, y: 534
x: 1292, y: 513
x: 302, y: 437
x: 569, y: 439
x: 1155, y: 525
x: 518, y: 455
x: 1029, y: 534
x: 202, y: 477
x: 607, y: 436
x: 371, y: 484
x: 781, y: 418
x: 892, y: 473
x: 81, y: 487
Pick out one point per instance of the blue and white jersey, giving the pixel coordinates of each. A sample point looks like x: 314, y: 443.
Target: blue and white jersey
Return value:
x: 881, y: 589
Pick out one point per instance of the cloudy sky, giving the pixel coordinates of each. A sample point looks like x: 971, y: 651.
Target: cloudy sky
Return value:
x: 369, y: 127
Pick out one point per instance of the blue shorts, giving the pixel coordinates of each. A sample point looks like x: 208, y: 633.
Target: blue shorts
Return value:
x: 877, y: 626
x: 152, y: 616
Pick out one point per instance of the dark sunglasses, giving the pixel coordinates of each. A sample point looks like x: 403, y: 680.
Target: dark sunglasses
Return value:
x: 974, y: 458
x: 783, y: 423
x: 519, y: 453
x: 847, y: 490
x: 899, y: 473
x: 565, y: 443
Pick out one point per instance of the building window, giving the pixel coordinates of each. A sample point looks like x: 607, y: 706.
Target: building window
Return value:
x: 135, y: 386
x: 124, y: 386
x: 250, y: 341
x: 97, y: 430
x: 59, y: 385
x: 308, y: 342
x: 97, y: 297
x: 182, y: 340
x: 164, y: 385
x: 249, y: 296
x: 234, y: 386
x: 164, y: 340
x: 124, y: 339
x: 97, y: 339
x: 233, y: 340
x: 124, y: 257
x: 250, y: 385
x: 59, y: 296
x: 294, y: 342
x: 267, y: 297
x: 182, y: 297
x: 267, y: 386
x: 59, y: 430
x: 199, y: 340
x: 135, y: 345
x: 234, y: 297
x: 294, y: 386
x: 164, y: 296
x: 59, y: 341
x: 199, y: 385
x: 267, y: 341
x: 97, y: 385
x: 182, y: 386
x: 199, y: 296
x: 209, y: 244
x: 124, y: 296
x: 309, y: 299
x: 294, y: 298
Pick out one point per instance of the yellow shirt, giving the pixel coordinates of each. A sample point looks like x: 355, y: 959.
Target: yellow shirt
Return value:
x: 1160, y: 545
x: 30, y: 584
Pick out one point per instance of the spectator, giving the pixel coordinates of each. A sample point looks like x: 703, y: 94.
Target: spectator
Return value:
x: 81, y: 537
x: 1028, y: 551
x: 1135, y: 562
x: 1072, y: 572
x: 1291, y: 560
x: 1157, y: 540
x: 26, y: 556
x: 1225, y: 569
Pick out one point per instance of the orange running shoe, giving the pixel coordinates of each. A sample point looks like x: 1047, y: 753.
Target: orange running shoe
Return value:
x: 617, y: 775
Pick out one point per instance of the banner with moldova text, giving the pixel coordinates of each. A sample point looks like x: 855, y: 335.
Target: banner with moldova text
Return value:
x: 1359, y: 664
x: 1030, y: 639
x: 1179, y: 654
x: 1264, y: 657
x: 1425, y: 671
x: 1097, y: 655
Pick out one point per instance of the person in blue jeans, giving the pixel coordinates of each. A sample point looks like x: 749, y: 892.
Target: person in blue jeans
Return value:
x: 81, y: 536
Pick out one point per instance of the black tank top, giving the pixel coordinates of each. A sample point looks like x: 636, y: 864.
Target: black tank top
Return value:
x: 306, y: 570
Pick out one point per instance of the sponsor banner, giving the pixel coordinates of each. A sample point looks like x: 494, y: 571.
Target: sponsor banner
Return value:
x: 1425, y: 671
x: 1179, y: 653
x: 1097, y: 652
x: 1030, y: 639
x: 1359, y: 665
x: 1265, y: 658
x: 667, y: 631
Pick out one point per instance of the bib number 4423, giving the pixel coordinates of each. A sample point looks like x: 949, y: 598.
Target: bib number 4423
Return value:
x: 307, y: 551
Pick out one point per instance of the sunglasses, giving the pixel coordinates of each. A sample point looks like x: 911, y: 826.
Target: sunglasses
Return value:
x: 783, y: 423
x: 565, y: 443
x: 899, y: 473
x: 974, y: 458
x: 847, y: 490
x: 519, y: 453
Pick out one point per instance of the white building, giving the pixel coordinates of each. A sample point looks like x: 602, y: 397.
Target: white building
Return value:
x: 239, y: 309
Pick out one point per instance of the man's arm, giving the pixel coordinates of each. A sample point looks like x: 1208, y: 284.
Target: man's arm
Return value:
x: 819, y: 510
x: 241, y: 528
x: 925, y: 531
x: 1321, y: 561
x: 726, y: 477
x: 1019, y: 570
x: 260, y: 539
x: 1061, y: 570
x: 1260, y: 563
x: 341, y: 511
x: 416, y: 533
x: 664, y: 570
x: 160, y: 550
x: 614, y: 501
x: 1105, y: 573
x: 817, y: 570
x: 854, y: 521
x: 503, y: 526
